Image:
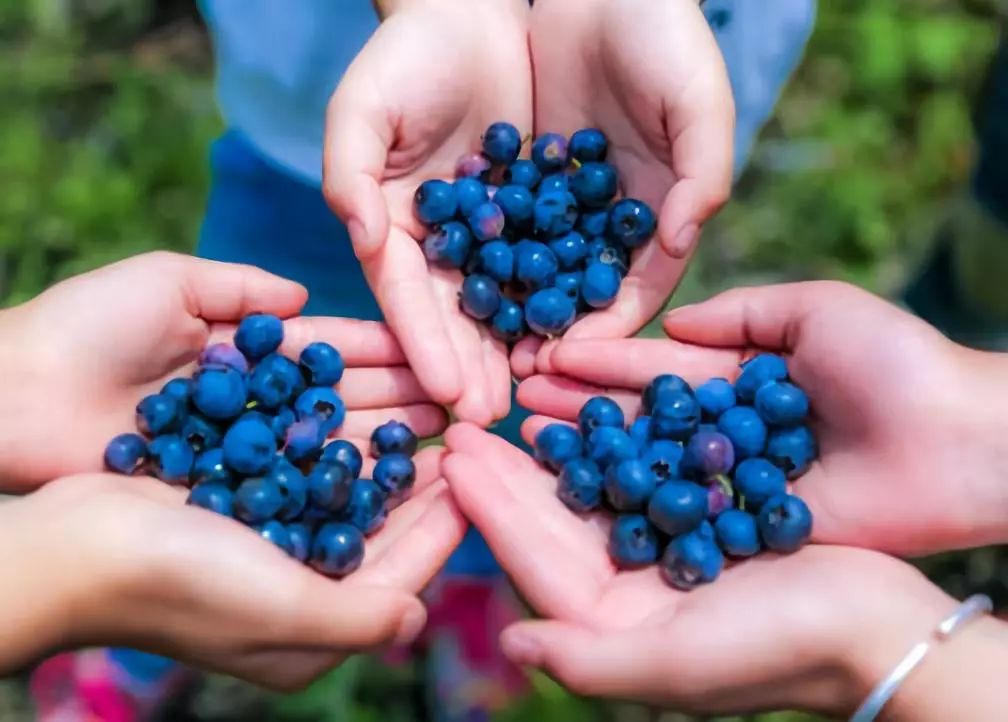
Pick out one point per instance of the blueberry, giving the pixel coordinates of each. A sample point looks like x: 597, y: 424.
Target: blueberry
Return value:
x: 677, y: 507
x: 337, y: 549
x: 516, y: 203
x: 159, y: 414
x: 523, y: 173
x: 594, y: 184
x: 535, y: 265
x: 256, y: 415
x: 781, y: 404
x: 549, y: 312
x: 601, y: 284
x: 224, y: 354
x: 599, y: 411
x: 756, y: 480
x: 435, y: 202
x: 630, y: 484
x: 212, y: 496
x: 791, y: 450
x: 300, y: 540
x: 257, y: 499
x: 631, y: 223
x: 395, y: 474
x: 675, y: 416
x: 737, y: 533
x: 554, y: 182
x: 757, y: 371
x: 502, y: 143
x: 746, y: 430
x: 480, y: 297
x: 470, y: 193
x: 209, y: 468
x: 179, y: 389
x: 276, y: 533
x: 321, y: 364
x: 393, y: 437
x: 366, y: 507
x: 274, y: 382
x: 171, y: 458
x: 304, y: 440
x: 471, y: 165
x: 588, y: 145
x: 126, y: 453
x: 487, y: 221
x: 570, y: 283
x: 633, y: 542
x: 497, y: 260
x: 570, y: 249
x: 556, y: 444
x: 715, y: 397
x: 593, y: 223
x: 663, y: 457
x: 329, y: 485
x: 640, y: 431
x: 603, y: 252
x: 549, y: 153
x: 718, y: 499
x: 785, y: 523
x: 249, y: 447
x: 554, y: 213
x: 691, y: 560
x: 281, y: 421
x: 294, y: 487
x: 579, y: 485
x: 345, y: 453
x: 707, y: 454
x: 201, y: 433
x: 608, y: 445
x: 508, y: 324
x: 447, y: 246
x: 324, y: 404
x: 258, y: 335
x: 659, y: 387
x: 219, y: 393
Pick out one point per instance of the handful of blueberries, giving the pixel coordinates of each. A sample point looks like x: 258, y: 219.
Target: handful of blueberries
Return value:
x: 247, y: 432
x: 700, y: 475
x: 539, y: 241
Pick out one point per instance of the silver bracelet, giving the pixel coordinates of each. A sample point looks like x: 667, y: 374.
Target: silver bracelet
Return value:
x: 970, y: 609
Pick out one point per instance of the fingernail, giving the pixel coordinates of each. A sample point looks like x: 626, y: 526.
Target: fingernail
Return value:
x: 678, y: 309
x: 411, y: 625
x: 685, y: 239
x: 358, y: 233
x: 522, y: 648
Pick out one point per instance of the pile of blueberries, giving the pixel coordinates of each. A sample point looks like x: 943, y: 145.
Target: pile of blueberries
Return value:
x: 247, y: 432
x: 539, y: 241
x: 700, y: 475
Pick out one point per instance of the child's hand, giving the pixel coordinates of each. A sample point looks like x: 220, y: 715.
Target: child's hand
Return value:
x: 80, y: 356
x: 104, y: 559
x: 910, y: 426
x: 813, y: 630
x: 418, y: 97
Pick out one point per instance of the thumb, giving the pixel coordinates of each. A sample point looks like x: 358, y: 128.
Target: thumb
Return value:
x: 226, y: 292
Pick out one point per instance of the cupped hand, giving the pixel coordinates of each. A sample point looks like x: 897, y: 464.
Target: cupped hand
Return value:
x: 907, y: 422
x: 122, y: 561
x: 81, y: 355
x: 770, y: 632
x: 417, y: 97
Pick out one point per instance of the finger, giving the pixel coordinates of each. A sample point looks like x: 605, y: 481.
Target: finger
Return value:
x: 563, y: 397
x: 216, y: 291
x: 633, y: 363
x: 468, y: 439
x: 534, y: 424
x: 426, y: 420
x: 360, y: 343
x: 377, y: 388
x: 523, y: 356
x: 427, y: 464
x: 498, y: 372
x: 544, y: 358
x: 398, y: 275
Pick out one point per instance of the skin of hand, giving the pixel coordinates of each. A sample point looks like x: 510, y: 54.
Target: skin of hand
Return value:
x: 814, y: 630
x: 111, y: 560
x: 416, y: 98
x: 87, y: 350
x: 910, y: 425
x: 651, y: 76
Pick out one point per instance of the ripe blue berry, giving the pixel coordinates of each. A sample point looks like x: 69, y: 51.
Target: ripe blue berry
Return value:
x: 781, y: 404
x: 293, y: 486
x: 470, y: 193
x: 594, y: 184
x: 549, y: 312
x: 497, y: 260
x: 258, y: 335
x: 791, y: 450
x: 535, y: 265
x: 604, y: 252
x: 570, y: 283
x: 502, y: 143
x: 435, y: 202
x: 171, y: 458
x: 785, y: 523
x: 276, y: 533
x: 345, y: 453
x: 224, y: 354
x: 608, y: 445
x: 633, y: 542
x: 275, y: 381
x: 601, y: 284
x: 472, y: 165
x: 393, y: 437
x: 324, y: 404
x: 691, y: 560
x: 757, y: 480
x: 329, y: 485
x: 394, y: 474
x: 588, y: 145
x: 200, y: 433
x: 480, y: 297
x: 677, y: 507
x: 579, y: 485
x: 178, y: 389
x: 556, y: 444
x: 209, y: 468
x: 737, y: 533
x: 549, y: 153
x: 249, y: 447
x: 516, y: 203
x: 663, y: 457
x: 746, y: 430
x: 523, y: 173
x: 366, y: 507
x: 707, y: 454
x: 629, y: 484
x: 631, y: 223
x: 300, y: 540
x: 554, y: 182
x: 447, y: 246
x: 126, y: 453
x: 599, y: 411
x: 257, y: 499
x: 659, y: 387
x: 570, y: 249
x: 214, y: 497
x: 304, y: 441
x: 640, y: 431
x: 219, y: 393
x: 715, y: 397
x: 593, y: 223
x: 554, y: 213
x: 508, y: 324
x: 675, y: 416
x: 487, y: 221
x: 757, y: 371
x: 159, y: 414
x: 321, y: 364
x: 337, y: 549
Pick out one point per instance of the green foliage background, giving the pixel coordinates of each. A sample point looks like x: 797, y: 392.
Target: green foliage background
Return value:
x: 107, y: 110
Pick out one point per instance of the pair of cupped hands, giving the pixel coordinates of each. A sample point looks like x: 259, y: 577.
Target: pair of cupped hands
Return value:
x: 908, y: 466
